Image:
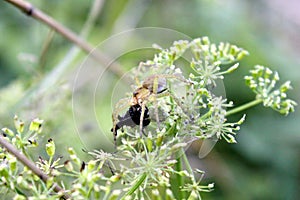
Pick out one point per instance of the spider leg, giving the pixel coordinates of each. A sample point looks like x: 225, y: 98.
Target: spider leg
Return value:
x: 137, y: 81
x: 144, y: 133
x: 142, y: 118
x: 174, y: 98
x: 156, y: 113
x: 120, y: 105
x: 174, y: 76
x: 112, y: 171
x: 177, y: 101
x: 155, y: 92
x: 114, y: 130
x: 157, y: 84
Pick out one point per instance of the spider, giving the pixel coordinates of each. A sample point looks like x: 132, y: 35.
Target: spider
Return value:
x: 153, y: 87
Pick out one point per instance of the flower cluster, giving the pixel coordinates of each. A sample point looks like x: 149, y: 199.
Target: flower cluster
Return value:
x: 148, y: 163
x: 189, y: 109
x: 262, y: 82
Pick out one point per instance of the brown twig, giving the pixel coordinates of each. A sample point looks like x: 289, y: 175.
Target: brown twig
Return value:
x: 31, y: 11
x: 21, y: 157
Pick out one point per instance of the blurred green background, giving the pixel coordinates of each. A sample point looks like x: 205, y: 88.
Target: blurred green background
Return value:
x: 38, y: 70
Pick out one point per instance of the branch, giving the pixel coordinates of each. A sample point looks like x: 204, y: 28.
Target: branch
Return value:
x: 11, y: 149
x: 37, y: 14
x: 244, y: 107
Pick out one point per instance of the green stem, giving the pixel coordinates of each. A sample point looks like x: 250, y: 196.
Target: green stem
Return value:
x: 182, y: 158
x: 135, y: 186
x: 187, y: 163
x: 178, y: 168
x: 244, y: 107
x: 206, y: 115
x: 50, y: 160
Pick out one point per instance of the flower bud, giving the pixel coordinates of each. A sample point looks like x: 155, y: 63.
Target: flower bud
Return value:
x: 36, y: 125
x: 68, y: 165
x: 50, y: 148
x: 19, y: 124
x: 8, y: 131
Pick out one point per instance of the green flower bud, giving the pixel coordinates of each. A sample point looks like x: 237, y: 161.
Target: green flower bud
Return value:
x: 50, y: 148
x: 73, y: 156
x: 19, y: 197
x: 155, y: 194
x: 234, y: 67
x: 149, y: 144
x: 115, y: 178
x: 68, y: 165
x: 49, y: 182
x: 19, y: 124
x: 115, y: 194
x: 36, y: 125
x: 159, y: 139
x: 91, y: 165
x: 33, y: 142
x: 22, y: 182
x: 8, y: 131
x: 169, y: 194
x: 13, y: 164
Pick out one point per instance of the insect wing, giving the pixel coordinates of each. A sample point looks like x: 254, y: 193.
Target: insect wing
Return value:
x: 206, y: 147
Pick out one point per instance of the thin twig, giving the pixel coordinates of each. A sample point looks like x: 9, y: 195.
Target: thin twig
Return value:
x: 21, y: 157
x: 45, y: 49
x: 31, y: 11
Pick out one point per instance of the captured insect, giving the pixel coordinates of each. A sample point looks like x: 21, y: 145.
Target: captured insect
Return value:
x: 132, y: 118
x: 152, y: 87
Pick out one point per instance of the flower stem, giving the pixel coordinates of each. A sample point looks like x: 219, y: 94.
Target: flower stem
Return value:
x: 178, y: 168
x: 135, y: 186
x: 244, y: 107
x: 186, y: 162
